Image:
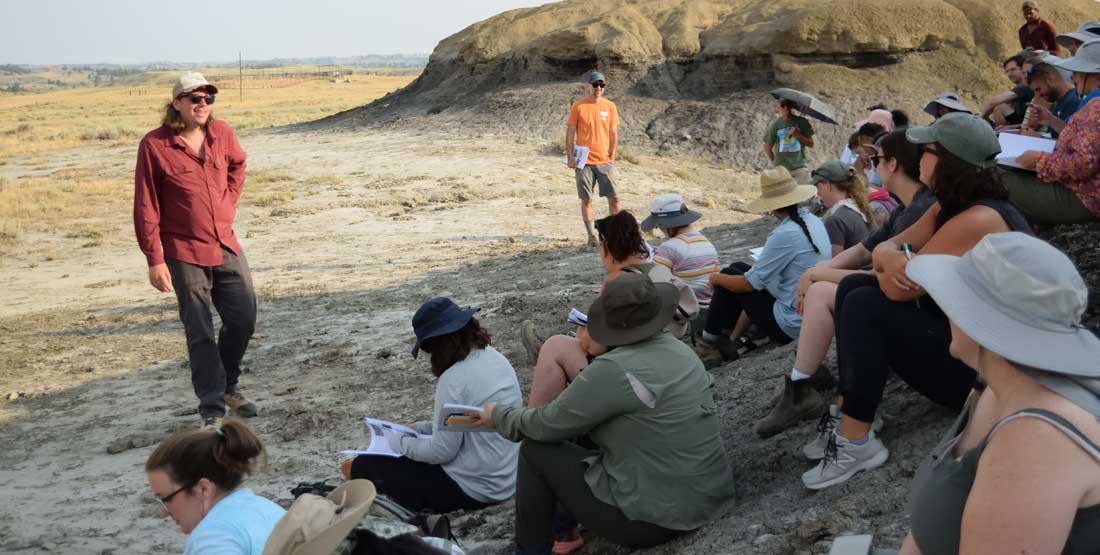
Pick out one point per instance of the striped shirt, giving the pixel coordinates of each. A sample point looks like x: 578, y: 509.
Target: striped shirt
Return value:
x: 692, y: 258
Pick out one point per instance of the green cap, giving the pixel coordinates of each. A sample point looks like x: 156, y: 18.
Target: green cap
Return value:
x: 964, y: 135
x: 833, y: 171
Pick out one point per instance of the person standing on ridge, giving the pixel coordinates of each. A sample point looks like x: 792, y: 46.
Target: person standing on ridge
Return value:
x: 1037, y: 32
x: 593, y: 123
x: 189, y: 176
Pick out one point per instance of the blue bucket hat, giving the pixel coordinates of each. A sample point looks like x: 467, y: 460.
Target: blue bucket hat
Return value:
x: 438, y: 316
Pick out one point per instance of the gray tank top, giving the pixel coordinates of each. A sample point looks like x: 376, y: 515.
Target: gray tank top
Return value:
x: 942, y: 485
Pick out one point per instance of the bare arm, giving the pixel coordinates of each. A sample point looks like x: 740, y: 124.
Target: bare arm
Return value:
x: 997, y: 100
x: 613, y: 139
x: 769, y: 152
x: 570, y: 141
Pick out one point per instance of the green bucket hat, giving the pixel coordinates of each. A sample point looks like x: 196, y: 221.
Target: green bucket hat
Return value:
x: 964, y: 135
x: 833, y: 171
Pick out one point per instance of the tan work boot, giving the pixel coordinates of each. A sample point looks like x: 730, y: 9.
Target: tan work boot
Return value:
x: 531, y: 341
x: 716, y: 354
x: 800, y: 401
x: 238, y: 403
x: 822, y: 381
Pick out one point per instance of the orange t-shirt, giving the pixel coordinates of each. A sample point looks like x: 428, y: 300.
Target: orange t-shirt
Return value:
x: 594, y: 121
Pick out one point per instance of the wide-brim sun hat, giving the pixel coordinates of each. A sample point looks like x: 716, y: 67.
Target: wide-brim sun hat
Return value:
x: 1089, y: 30
x: 192, y: 81
x: 669, y: 211
x: 966, y: 136
x: 436, y: 317
x: 1016, y: 296
x: 778, y: 189
x: 1086, y: 60
x: 317, y: 525
x: 631, y: 309
x: 948, y: 100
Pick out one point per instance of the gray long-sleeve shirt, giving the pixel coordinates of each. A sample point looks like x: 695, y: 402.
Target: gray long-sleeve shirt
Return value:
x: 483, y: 464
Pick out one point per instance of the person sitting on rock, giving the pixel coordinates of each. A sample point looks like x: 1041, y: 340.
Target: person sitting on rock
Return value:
x: 1065, y: 185
x: 786, y: 141
x: 945, y: 104
x: 451, y: 470
x: 1019, y: 471
x: 196, y: 477
x: 764, y: 294
x: 880, y: 116
x: 886, y: 324
x: 658, y: 469
x: 898, y: 162
x: 1089, y: 30
x: 844, y: 194
x: 1048, y: 84
x: 881, y: 203
x: 1008, y: 108
x: 686, y: 252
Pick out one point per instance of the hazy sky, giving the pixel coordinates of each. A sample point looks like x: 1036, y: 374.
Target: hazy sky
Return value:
x: 135, y: 31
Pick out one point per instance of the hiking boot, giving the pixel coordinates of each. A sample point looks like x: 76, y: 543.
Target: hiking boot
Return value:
x: 211, y: 423
x: 830, y: 420
x: 716, y: 353
x: 822, y: 381
x: 568, y: 543
x: 236, y: 402
x: 531, y: 341
x: 845, y: 460
x: 799, y: 401
x: 593, y: 241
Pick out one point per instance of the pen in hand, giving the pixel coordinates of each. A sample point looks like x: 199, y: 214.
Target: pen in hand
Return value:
x: 909, y: 256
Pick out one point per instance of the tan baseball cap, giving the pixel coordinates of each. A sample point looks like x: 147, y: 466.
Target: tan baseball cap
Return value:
x: 190, y: 81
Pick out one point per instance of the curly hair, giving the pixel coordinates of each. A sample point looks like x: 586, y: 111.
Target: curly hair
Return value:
x: 621, y: 236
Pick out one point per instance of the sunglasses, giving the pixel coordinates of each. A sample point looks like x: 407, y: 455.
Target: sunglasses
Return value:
x: 599, y: 85
x: 198, y: 98
x: 875, y: 158
x: 925, y: 149
x: 164, y: 501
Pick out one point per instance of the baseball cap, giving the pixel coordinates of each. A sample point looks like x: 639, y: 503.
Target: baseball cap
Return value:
x: 190, y: 81
x: 596, y: 76
x: 965, y: 135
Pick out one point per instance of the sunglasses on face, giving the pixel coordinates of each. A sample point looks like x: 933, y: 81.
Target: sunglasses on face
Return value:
x: 198, y: 98
x: 875, y: 159
x: 599, y: 85
x: 925, y: 149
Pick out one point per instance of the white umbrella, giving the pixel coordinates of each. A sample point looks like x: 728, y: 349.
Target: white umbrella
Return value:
x: 808, y: 104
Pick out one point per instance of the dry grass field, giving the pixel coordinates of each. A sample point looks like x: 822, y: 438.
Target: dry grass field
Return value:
x: 73, y: 198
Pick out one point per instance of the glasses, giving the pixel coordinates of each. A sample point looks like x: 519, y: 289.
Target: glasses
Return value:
x: 875, y: 158
x: 599, y: 85
x: 198, y: 98
x: 164, y: 501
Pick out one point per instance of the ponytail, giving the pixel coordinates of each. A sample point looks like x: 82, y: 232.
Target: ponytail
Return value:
x: 855, y: 188
x: 792, y: 212
x: 223, y: 455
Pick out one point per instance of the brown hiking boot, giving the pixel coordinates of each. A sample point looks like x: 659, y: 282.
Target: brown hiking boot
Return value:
x: 238, y: 403
x: 531, y: 340
x: 717, y: 353
x: 799, y: 401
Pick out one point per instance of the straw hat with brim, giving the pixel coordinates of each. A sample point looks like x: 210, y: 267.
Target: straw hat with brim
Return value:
x: 316, y: 525
x: 948, y: 100
x: 778, y: 189
x: 1089, y: 30
x: 631, y: 308
x: 966, y: 136
x: 1017, y: 296
x: 1086, y: 60
x: 669, y: 211
x: 438, y: 316
x: 192, y: 81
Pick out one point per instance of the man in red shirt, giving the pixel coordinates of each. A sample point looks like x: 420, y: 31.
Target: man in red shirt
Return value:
x: 1036, y: 32
x: 190, y: 173
x: 594, y: 124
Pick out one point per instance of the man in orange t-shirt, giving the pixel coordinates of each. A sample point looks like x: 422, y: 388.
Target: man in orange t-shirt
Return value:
x: 593, y: 123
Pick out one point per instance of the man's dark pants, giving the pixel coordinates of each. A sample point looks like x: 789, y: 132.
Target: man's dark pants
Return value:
x: 215, y: 366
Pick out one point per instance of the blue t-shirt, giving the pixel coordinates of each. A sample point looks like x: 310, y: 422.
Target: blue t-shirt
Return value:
x: 239, y: 524
x: 786, y: 256
x: 1066, y: 106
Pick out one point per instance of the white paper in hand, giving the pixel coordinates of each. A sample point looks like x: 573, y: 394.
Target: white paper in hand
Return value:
x: 580, y: 156
x: 452, y: 418
x: 380, y: 430
x: 1013, y: 145
x: 577, y: 318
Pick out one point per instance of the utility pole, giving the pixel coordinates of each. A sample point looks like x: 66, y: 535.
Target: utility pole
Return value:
x: 240, y: 73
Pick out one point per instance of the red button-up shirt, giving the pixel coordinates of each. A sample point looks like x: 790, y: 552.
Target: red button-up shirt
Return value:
x: 1042, y: 38
x: 183, y: 205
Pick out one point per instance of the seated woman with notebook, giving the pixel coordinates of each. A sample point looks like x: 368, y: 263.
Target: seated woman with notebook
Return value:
x: 451, y: 470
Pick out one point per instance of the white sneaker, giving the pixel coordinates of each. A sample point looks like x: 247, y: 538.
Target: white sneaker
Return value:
x: 815, y: 450
x: 844, y: 459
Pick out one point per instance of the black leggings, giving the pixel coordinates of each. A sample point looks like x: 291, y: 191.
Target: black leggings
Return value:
x: 726, y: 307
x: 875, y: 335
x: 416, y: 485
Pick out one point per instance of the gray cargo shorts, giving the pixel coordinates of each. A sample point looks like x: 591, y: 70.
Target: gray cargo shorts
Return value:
x: 589, y: 176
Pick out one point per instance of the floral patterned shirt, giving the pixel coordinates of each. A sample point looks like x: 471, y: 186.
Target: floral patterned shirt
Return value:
x: 1075, y: 162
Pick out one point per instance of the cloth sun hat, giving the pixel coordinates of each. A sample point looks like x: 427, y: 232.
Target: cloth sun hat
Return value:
x: 1085, y: 32
x: 630, y: 309
x: 1018, y: 297
x: 779, y: 189
x: 668, y: 211
x: 438, y: 316
x: 1087, y: 59
x: 316, y: 525
x: 191, y: 81
x: 965, y: 135
x: 596, y: 76
x: 948, y: 100
x: 833, y: 171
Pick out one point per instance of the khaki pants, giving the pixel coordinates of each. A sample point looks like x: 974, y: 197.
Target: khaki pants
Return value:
x: 1044, y: 203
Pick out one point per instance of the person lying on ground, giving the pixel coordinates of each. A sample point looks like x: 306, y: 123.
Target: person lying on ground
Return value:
x: 196, y: 477
x: 1064, y: 187
x: 898, y: 162
x: 886, y: 324
x: 764, y: 293
x: 561, y: 358
x: 945, y: 104
x: 686, y: 252
x: 659, y: 468
x: 1019, y: 471
x: 844, y: 193
x: 1048, y: 84
x: 1089, y: 30
x: 451, y: 470
x: 786, y: 141
x: 1008, y: 108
